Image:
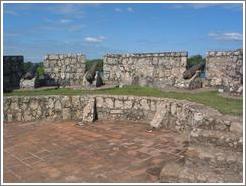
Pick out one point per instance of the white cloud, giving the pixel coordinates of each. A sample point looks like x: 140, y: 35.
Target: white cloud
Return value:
x: 197, y: 6
x: 9, y: 34
x: 226, y: 36
x: 118, y: 10
x: 190, y: 5
x: 11, y: 12
x: 236, y: 6
x: 62, y: 24
x: 130, y: 9
x: 76, y: 27
x: 64, y: 21
x: 58, y: 26
x: 95, y: 39
x: 177, y: 6
x: 68, y: 10
x: 201, y: 5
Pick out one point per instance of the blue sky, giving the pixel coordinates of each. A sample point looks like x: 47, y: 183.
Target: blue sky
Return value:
x: 34, y: 30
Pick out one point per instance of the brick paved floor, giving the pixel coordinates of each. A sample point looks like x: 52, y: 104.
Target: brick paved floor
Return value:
x: 103, y: 152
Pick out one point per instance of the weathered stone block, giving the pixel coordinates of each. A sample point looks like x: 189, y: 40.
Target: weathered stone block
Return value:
x: 118, y: 104
x: 99, y: 101
x: 127, y: 104
x: 116, y: 111
x: 34, y: 104
x: 66, y: 114
x: 173, y: 108
x: 75, y: 101
x: 160, y: 115
x: 109, y: 103
x: 89, y: 111
x: 144, y: 104
x: 58, y: 105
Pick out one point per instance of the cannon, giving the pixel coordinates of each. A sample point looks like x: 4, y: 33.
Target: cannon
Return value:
x: 98, y: 78
x: 90, y: 74
x: 93, y: 75
x: 189, y: 73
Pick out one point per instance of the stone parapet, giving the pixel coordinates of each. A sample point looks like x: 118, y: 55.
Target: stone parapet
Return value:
x: 65, y: 69
x: 159, y: 70
x: 225, y: 53
x: 161, y: 54
x: 181, y: 114
x: 224, y: 70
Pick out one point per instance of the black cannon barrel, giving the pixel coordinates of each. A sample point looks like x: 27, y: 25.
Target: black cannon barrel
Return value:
x: 90, y: 75
x: 190, y: 72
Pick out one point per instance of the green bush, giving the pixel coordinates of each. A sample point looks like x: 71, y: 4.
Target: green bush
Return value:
x: 40, y: 71
x: 28, y: 66
x: 40, y: 76
x: 33, y: 68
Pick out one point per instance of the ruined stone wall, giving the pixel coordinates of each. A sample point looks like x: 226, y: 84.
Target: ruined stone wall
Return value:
x: 153, y: 69
x: 65, y: 69
x: 225, y: 70
x: 179, y: 114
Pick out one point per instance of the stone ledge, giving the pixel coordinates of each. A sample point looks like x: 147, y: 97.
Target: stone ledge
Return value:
x: 161, y: 54
x: 225, y: 53
x: 62, y: 56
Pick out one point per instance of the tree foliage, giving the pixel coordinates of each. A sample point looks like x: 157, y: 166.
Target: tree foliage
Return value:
x: 194, y: 60
x: 40, y: 70
x: 89, y: 64
x: 34, y: 68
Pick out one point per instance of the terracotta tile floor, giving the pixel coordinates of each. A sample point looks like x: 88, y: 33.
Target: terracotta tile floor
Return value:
x: 107, y: 151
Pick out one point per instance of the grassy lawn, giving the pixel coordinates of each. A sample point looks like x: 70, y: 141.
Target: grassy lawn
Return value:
x: 210, y: 98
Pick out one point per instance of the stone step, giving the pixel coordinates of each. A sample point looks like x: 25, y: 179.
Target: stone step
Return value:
x: 214, y: 157
x: 223, y: 139
x: 181, y: 173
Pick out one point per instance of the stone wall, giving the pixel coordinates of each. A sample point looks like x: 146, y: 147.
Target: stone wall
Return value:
x: 13, y: 68
x: 225, y: 70
x: 178, y: 114
x: 64, y: 69
x: 147, y: 69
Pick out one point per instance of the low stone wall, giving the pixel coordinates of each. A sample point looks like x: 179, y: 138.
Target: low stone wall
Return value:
x: 146, y: 69
x: 66, y: 69
x: 179, y: 114
x: 225, y: 70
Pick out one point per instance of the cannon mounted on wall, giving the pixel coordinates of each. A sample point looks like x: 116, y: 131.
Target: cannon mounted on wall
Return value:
x: 189, y: 73
x: 94, y: 75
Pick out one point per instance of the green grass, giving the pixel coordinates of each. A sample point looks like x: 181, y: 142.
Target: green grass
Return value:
x: 210, y: 98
